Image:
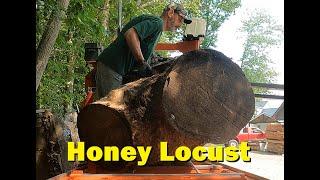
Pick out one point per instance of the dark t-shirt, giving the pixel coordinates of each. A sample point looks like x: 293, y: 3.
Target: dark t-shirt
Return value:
x: 118, y: 55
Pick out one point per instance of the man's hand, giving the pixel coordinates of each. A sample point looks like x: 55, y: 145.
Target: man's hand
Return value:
x: 145, y: 69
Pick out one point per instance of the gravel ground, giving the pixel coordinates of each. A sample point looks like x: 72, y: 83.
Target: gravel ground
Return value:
x: 265, y: 164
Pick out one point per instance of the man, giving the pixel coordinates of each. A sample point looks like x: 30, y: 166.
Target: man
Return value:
x: 134, y: 46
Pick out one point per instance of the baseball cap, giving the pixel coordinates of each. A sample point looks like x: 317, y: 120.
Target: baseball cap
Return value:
x: 178, y: 8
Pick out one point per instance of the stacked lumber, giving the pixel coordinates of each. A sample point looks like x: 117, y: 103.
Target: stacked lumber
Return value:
x: 275, y: 138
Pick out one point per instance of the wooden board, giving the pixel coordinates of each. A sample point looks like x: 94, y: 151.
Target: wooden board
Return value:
x: 275, y: 148
x: 275, y: 142
x: 275, y: 127
x: 275, y: 135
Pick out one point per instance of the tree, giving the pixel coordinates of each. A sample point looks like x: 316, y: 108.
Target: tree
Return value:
x: 262, y: 33
x: 215, y: 12
x: 49, y: 38
x: 62, y: 83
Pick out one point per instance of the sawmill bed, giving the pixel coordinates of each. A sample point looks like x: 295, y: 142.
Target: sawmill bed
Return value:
x: 197, y: 171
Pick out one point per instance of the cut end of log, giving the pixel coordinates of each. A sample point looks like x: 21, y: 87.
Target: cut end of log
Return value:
x: 102, y: 126
x: 110, y: 129
x: 207, y: 96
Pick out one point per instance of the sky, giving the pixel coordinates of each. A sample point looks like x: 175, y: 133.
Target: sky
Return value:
x: 230, y: 44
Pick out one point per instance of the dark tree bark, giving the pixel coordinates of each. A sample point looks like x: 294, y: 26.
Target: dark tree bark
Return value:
x: 51, y: 144
x: 49, y: 38
x: 202, y: 97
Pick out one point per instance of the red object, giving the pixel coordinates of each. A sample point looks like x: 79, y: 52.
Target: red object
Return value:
x: 89, y: 83
x: 248, y: 134
x: 89, y: 80
x: 88, y: 99
x: 183, y: 46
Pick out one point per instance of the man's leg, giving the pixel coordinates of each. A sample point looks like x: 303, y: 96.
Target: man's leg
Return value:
x: 106, y: 80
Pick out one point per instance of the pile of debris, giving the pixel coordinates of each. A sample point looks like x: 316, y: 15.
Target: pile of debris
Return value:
x: 52, y: 135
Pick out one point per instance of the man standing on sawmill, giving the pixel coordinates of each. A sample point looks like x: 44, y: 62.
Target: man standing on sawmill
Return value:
x: 134, y: 46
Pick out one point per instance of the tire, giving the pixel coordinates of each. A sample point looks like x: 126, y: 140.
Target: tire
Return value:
x: 233, y: 142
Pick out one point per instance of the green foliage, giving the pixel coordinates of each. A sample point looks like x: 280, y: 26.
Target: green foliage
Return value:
x: 215, y: 12
x: 262, y: 32
x: 83, y: 24
x: 44, y: 9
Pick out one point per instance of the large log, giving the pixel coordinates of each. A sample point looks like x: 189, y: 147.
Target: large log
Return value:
x: 202, y: 97
x: 209, y: 96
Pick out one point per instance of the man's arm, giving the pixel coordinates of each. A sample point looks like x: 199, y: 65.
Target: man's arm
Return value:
x: 133, y: 42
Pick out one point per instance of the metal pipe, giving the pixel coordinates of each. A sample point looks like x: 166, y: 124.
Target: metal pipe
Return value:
x: 267, y: 96
x: 269, y: 86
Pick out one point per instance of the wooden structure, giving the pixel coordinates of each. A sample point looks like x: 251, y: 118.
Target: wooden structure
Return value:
x: 275, y: 138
